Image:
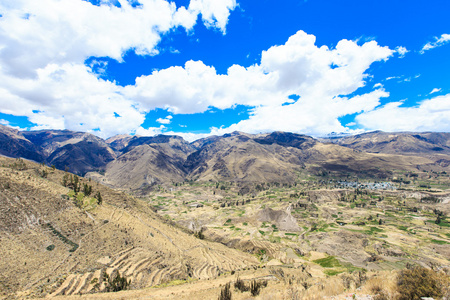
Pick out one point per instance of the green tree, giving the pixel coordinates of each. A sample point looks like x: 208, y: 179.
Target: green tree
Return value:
x: 99, y: 198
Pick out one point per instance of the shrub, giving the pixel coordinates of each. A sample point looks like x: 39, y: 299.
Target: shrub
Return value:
x: 240, y: 285
x: 115, y: 282
x: 255, y: 287
x: 199, y: 234
x: 419, y: 282
x: 225, y: 293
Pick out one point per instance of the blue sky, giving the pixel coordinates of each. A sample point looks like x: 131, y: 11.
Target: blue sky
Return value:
x: 202, y: 67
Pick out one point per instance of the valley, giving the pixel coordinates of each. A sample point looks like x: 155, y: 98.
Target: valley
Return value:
x: 291, y: 216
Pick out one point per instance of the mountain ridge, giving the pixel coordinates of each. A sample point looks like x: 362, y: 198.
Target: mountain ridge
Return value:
x: 140, y: 163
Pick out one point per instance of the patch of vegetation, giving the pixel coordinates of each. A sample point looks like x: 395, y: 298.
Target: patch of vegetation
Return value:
x: 115, y: 282
x: 420, y: 282
x: 256, y: 286
x: 333, y: 272
x: 440, y: 242
x: 372, y: 230
x: 239, y: 284
x: 171, y: 283
x: 274, y: 239
x: 328, y: 262
x: 401, y: 227
x: 62, y: 237
x: 50, y: 247
x: 225, y: 293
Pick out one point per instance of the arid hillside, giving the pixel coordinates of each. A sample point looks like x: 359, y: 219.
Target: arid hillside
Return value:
x: 54, y: 242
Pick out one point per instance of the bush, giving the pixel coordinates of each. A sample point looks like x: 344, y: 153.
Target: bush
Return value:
x: 225, y: 293
x: 419, y: 282
x: 199, y: 234
x: 255, y: 288
x: 240, y: 285
x: 115, y: 282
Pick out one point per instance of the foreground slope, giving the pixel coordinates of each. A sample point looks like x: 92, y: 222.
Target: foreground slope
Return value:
x: 53, y: 244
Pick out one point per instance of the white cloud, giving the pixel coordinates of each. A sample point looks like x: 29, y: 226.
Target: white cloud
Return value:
x: 435, y: 90
x: 43, y: 70
x: 166, y: 120
x: 401, y: 51
x: 430, y: 115
x: 439, y: 41
x: 151, y: 131
x: 61, y: 31
x: 4, y: 122
x: 377, y: 85
x: 43, y: 46
x: 215, y: 13
x: 393, y: 77
x: 318, y: 75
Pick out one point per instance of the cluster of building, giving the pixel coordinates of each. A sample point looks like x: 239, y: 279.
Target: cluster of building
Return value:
x: 368, y: 185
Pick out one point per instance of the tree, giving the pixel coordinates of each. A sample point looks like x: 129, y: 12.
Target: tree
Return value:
x: 99, y: 198
x: 76, y: 187
x: 87, y: 189
x: 438, y: 220
x: 65, y: 180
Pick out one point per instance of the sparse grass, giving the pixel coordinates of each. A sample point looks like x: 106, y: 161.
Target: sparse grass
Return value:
x: 372, y: 230
x: 333, y: 272
x: 328, y: 262
x: 439, y: 242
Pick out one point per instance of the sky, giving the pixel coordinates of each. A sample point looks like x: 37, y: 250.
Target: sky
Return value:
x: 208, y: 67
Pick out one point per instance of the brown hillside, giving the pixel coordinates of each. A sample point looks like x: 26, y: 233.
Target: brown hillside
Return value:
x: 52, y: 244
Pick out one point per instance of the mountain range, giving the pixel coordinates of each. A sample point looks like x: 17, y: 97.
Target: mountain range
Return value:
x: 139, y: 163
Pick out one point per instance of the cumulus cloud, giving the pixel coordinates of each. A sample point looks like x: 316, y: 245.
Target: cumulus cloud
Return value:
x: 62, y: 31
x: 70, y: 96
x: 429, y: 115
x: 215, y: 13
x: 401, y: 51
x: 438, y: 42
x: 44, y: 44
x: 320, y: 76
x: 166, y: 120
x: 151, y: 131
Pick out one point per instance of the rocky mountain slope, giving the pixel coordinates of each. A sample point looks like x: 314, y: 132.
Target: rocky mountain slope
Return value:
x: 139, y: 164
x: 426, y: 143
x: 14, y: 144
